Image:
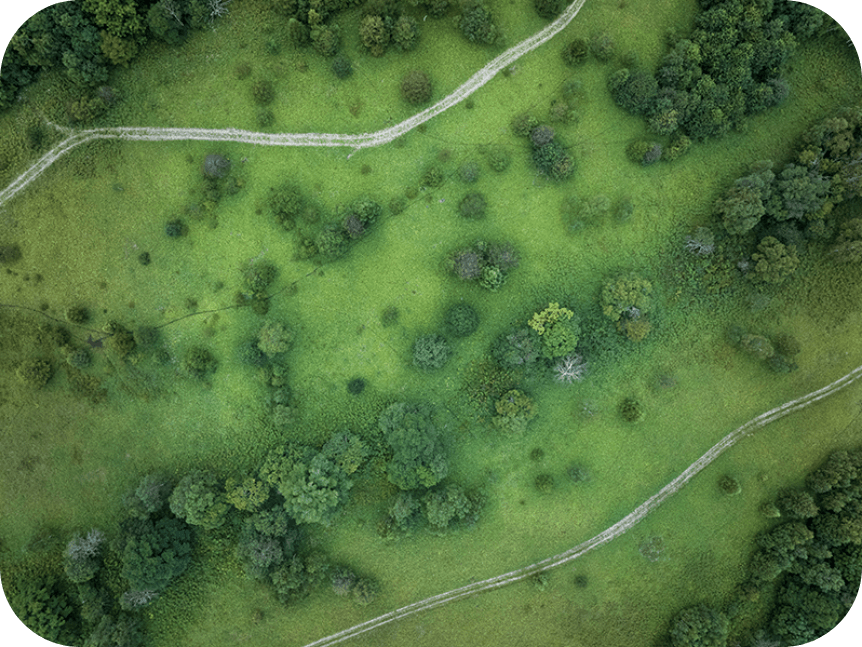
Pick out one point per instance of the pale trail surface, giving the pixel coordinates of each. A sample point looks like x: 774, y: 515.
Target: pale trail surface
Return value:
x: 356, y: 142
x: 607, y: 535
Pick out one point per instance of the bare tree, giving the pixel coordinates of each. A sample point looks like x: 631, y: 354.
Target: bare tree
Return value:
x: 218, y: 8
x: 571, y: 368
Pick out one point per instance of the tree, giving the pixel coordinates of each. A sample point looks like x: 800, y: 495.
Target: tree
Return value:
x: 404, y: 511
x: 261, y: 553
x: 199, y: 499
x: 287, y: 203
x: 746, y: 202
x: 375, y: 32
x: 569, y: 369
x: 199, y: 362
x: 418, y: 458
x: 516, y: 348
x: 774, y: 261
x: 514, y: 410
x: 575, y: 52
x: 274, y: 339
x: 416, y: 87
x: 477, y: 24
x: 246, y: 494
x: 154, y: 553
x: 804, y: 193
x: 549, y: 9
x: 797, y: 504
x: 626, y: 300
x: 557, y: 329
x: 448, y: 505
x: 149, y: 497
x: 332, y: 242
x: 346, y: 450
x: 123, y: 630
x: 634, y: 90
x: 81, y: 557
x: 699, y: 626
x: 460, y: 320
x: 848, y: 245
x: 472, y: 205
x: 838, y: 471
x: 405, y: 33
x: 325, y: 39
x: 35, y: 372
x: 430, y: 352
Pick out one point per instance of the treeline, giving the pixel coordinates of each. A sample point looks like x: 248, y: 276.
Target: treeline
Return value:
x: 729, y: 67
x: 770, y: 218
x: 86, y: 38
x: 807, y: 568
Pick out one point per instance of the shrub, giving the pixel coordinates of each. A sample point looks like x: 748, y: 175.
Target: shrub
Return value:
x: 460, y: 320
x: 516, y: 348
x: 262, y: 92
x: 477, y: 24
x: 492, y: 277
x: 575, y: 52
x: 326, y: 39
x: 544, y: 483
x: 469, y: 172
x: 77, y: 315
x: 356, y: 386
x: 10, y: 253
x: 374, y: 33
x: 631, y: 410
x: 274, y: 339
x: 472, y: 205
x: 498, y: 159
x: 199, y: 362
x: 522, y: 125
x: 341, y: 66
x: 432, y: 176
x: 774, y: 261
x: 79, y: 358
x: 430, y: 352
x: 216, y: 166
x: 404, y: 511
x: 332, y: 242
x: 549, y: 9
x: 514, y: 410
x: 364, y: 591
x: 541, y: 135
x: 467, y: 264
x: 451, y: 504
x: 175, y: 228
x: 343, y: 581
x: 729, y: 485
x: 416, y: 87
x: 405, y: 33
x: 602, y: 47
x: 35, y: 372
x: 557, y: 330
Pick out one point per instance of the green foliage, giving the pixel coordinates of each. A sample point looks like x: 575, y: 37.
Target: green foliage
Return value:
x: 557, y: 330
x: 404, y: 511
x: 44, y: 605
x: 602, y: 47
x: 261, y: 553
x: 797, y: 504
x: 518, y: 348
x: 342, y: 67
x: 498, y: 158
x: 346, y: 450
x: 552, y: 159
x: 405, y: 33
x: 544, y: 483
x: 199, y: 362
x: 364, y: 591
x: 449, y: 505
x: 729, y: 485
x: 514, y: 410
x: 774, y: 261
x: 472, y: 205
x: 326, y: 39
x: 575, y: 52
x: 418, y: 457
x: 199, y: 499
x: 848, y: 245
x: 149, y: 497
x: 123, y: 630
x: 699, y: 626
x: 375, y: 33
x: 154, y: 553
x: 35, y: 373
x: 477, y: 24
x: 274, y: 339
x: 262, y: 92
x: 549, y: 9
x: 287, y: 203
x: 460, y: 320
x: 81, y: 557
x: 430, y: 352
x: 247, y: 494
x: 634, y: 90
x: 631, y: 410
x: 332, y: 242
x: 416, y: 87
x: 626, y: 300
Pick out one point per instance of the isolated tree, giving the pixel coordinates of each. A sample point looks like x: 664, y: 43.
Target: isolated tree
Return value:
x: 472, y: 205
x: 416, y: 87
x: 460, y: 320
x: 199, y: 499
x: 274, y: 339
x: 430, y: 351
x: 626, y: 300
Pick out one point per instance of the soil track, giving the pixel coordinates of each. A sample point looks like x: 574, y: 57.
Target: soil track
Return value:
x: 607, y: 535
x: 356, y: 142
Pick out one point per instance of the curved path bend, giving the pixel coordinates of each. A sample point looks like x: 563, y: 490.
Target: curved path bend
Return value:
x: 356, y: 142
x: 607, y: 535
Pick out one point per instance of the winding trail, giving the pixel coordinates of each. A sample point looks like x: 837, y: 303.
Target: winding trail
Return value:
x: 607, y: 535
x: 356, y: 142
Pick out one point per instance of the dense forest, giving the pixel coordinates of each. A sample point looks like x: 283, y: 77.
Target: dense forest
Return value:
x: 379, y: 447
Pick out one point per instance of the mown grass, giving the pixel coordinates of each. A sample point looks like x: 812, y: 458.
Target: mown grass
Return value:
x: 83, y: 224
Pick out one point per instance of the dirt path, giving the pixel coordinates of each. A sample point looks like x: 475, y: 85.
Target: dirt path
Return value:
x: 607, y: 535
x: 355, y: 142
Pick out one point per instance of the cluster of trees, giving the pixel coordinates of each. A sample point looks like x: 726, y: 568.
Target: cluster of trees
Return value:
x: 773, y: 215
x: 627, y: 301
x: 729, y: 67
x: 352, y: 223
x: 440, y: 509
x: 84, y: 38
x: 550, y: 155
x: 779, y: 353
x: 812, y: 561
x: 486, y: 263
x: 384, y: 25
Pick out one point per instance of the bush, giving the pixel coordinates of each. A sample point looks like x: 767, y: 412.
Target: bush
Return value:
x: 199, y: 362
x: 262, y: 92
x: 342, y: 67
x: 469, y: 172
x: 498, y: 159
x: 514, y: 410
x: 472, y: 205
x: 175, y: 228
x: 460, y: 320
x: 477, y: 24
x: 215, y: 166
x: 332, y: 242
x: 729, y: 485
x: 405, y: 33
x: 575, y: 52
x: 416, y: 87
x: 430, y: 352
x: 602, y: 47
x: 634, y: 90
x: 356, y: 386
x: 447, y: 506
x: 549, y: 9
x: 631, y: 410
x: 274, y: 339
x: 545, y: 483
x: 35, y: 372
x: 522, y: 125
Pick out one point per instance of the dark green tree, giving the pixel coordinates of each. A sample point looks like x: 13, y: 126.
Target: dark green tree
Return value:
x: 774, y: 261
x: 477, y: 24
x: 418, y: 456
x: 699, y: 626
x: 199, y: 499
x: 430, y: 352
x: 154, y: 553
x: 416, y: 87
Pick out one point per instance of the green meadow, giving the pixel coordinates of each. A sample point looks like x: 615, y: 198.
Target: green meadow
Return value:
x: 68, y: 460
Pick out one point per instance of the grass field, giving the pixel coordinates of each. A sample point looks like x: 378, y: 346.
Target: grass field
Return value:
x: 83, y: 224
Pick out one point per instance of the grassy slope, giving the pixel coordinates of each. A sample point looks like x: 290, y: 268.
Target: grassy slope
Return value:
x: 72, y: 215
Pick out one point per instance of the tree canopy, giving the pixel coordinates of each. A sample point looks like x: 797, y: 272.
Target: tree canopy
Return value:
x: 418, y: 457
